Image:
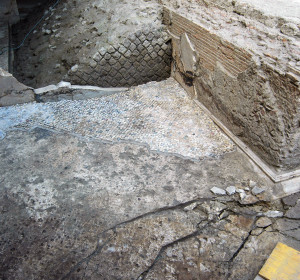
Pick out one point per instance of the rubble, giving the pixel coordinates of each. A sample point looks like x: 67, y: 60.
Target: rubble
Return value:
x: 218, y: 191
x: 231, y: 190
x: 257, y: 190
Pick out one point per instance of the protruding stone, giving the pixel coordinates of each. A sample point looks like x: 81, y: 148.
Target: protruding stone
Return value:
x: 263, y: 222
x: 291, y: 200
x: 217, y: 191
x: 289, y: 29
x: 74, y: 68
x: 273, y: 214
x: 190, y: 207
x: 241, y: 193
x: 257, y: 190
x: 187, y: 54
x: 231, y: 190
x: 249, y: 199
x: 252, y: 184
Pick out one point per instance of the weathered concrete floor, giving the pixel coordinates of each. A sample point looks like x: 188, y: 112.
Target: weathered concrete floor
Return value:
x: 77, y: 207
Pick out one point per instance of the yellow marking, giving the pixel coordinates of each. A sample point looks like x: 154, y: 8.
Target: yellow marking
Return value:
x: 283, y: 264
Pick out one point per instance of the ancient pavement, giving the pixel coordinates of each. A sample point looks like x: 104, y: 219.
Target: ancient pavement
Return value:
x: 119, y: 187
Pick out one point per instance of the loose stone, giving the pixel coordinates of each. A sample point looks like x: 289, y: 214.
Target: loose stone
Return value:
x: 231, y: 190
x: 252, y: 184
x: 248, y: 199
x: 257, y: 190
x: 218, y: 191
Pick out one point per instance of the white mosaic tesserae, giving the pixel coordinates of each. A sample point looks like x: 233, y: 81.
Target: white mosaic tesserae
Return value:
x: 158, y: 114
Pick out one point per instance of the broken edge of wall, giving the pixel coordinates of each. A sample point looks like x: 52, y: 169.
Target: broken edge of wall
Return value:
x: 258, y: 104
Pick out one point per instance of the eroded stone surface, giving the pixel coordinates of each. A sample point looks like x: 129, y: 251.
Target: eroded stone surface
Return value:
x: 61, y: 193
x: 13, y: 92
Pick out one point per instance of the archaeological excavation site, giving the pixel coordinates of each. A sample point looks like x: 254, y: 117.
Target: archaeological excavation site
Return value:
x: 150, y: 139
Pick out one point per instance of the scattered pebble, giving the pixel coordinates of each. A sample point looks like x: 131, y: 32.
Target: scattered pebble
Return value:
x: 218, y: 191
x: 242, y: 194
x: 231, y: 190
x: 257, y: 190
x: 252, y: 184
x: 74, y: 68
x: 248, y: 199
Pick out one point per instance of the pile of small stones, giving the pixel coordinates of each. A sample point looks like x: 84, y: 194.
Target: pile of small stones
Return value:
x: 247, y: 194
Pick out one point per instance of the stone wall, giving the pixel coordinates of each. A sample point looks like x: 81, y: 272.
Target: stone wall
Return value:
x: 256, y: 100
x: 144, y: 56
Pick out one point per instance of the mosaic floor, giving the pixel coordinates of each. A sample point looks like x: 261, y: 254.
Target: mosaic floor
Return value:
x: 158, y: 114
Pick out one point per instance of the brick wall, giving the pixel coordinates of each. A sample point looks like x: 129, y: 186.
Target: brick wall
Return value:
x: 258, y: 102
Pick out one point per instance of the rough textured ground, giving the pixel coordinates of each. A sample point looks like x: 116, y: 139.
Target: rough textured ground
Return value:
x: 77, y: 207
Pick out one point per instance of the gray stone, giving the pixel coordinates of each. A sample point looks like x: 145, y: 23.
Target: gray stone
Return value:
x: 291, y: 200
x: 263, y: 222
x: 257, y: 190
x: 295, y: 233
x: 191, y: 207
x: 273, y: 214
x: 286, y: 224
x: 248, y: 199
x: 257, y: 231
x: 122, y: 49
x: 93, y: 63
x: 294, y: 212
x: 231, y: 190
x: 252, y: 184
x: 218, y: 191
